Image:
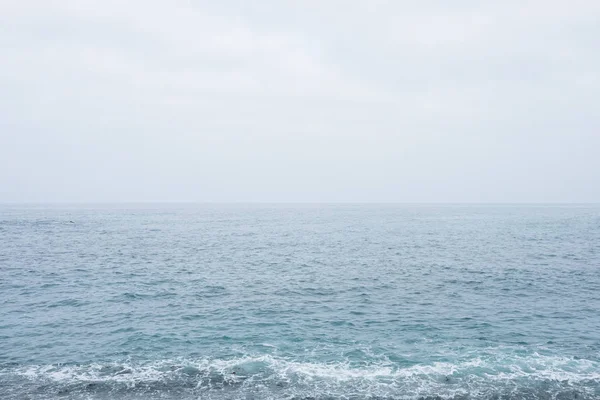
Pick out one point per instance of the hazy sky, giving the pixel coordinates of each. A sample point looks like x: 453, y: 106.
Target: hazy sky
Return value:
x: 274, y: 100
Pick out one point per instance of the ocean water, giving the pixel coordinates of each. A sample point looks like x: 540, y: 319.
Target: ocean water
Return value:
x: 299, y: 302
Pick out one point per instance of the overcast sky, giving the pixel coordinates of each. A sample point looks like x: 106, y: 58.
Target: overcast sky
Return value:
x: 274, y: 100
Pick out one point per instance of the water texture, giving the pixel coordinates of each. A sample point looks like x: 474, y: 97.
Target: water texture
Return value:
x: 300, y: 302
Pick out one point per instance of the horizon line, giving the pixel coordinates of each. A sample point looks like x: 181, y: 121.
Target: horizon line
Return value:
x: 192, y: 202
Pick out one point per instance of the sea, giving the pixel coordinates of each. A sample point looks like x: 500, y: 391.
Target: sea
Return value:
x: 299, y: 301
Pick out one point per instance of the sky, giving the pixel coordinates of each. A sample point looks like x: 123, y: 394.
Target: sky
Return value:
x: 299, y: 101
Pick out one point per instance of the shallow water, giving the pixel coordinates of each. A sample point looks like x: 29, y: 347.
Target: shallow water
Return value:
x: 299, y: 302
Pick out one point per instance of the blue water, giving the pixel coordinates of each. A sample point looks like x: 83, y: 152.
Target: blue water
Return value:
x: 299, y: 302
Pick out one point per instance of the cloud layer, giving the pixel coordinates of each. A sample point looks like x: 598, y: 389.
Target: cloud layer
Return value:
x: 299, y: 101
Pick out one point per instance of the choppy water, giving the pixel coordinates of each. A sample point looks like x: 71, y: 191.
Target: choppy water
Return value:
x: 299, y: 302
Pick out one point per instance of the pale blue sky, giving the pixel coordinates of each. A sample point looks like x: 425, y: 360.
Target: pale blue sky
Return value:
x: 384, y: 101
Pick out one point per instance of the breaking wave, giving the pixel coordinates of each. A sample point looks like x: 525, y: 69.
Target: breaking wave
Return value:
x: 267, y: 377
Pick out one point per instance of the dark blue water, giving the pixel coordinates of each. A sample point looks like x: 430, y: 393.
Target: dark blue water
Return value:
x: 299, y: 302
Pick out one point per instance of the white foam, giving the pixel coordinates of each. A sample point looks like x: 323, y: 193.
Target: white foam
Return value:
x: 474, y: 375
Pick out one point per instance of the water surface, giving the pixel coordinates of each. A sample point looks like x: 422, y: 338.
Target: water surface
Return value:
x: 299, y: 302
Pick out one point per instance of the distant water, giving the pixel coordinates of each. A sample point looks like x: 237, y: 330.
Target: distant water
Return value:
x: 299, y: 302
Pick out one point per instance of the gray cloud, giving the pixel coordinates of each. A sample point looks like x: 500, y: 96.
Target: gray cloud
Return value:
x: 299, y: 101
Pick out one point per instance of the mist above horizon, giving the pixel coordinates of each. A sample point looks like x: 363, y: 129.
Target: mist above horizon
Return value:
x: 147, y: 101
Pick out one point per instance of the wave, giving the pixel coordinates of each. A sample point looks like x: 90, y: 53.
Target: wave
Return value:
x: 264, y: 377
